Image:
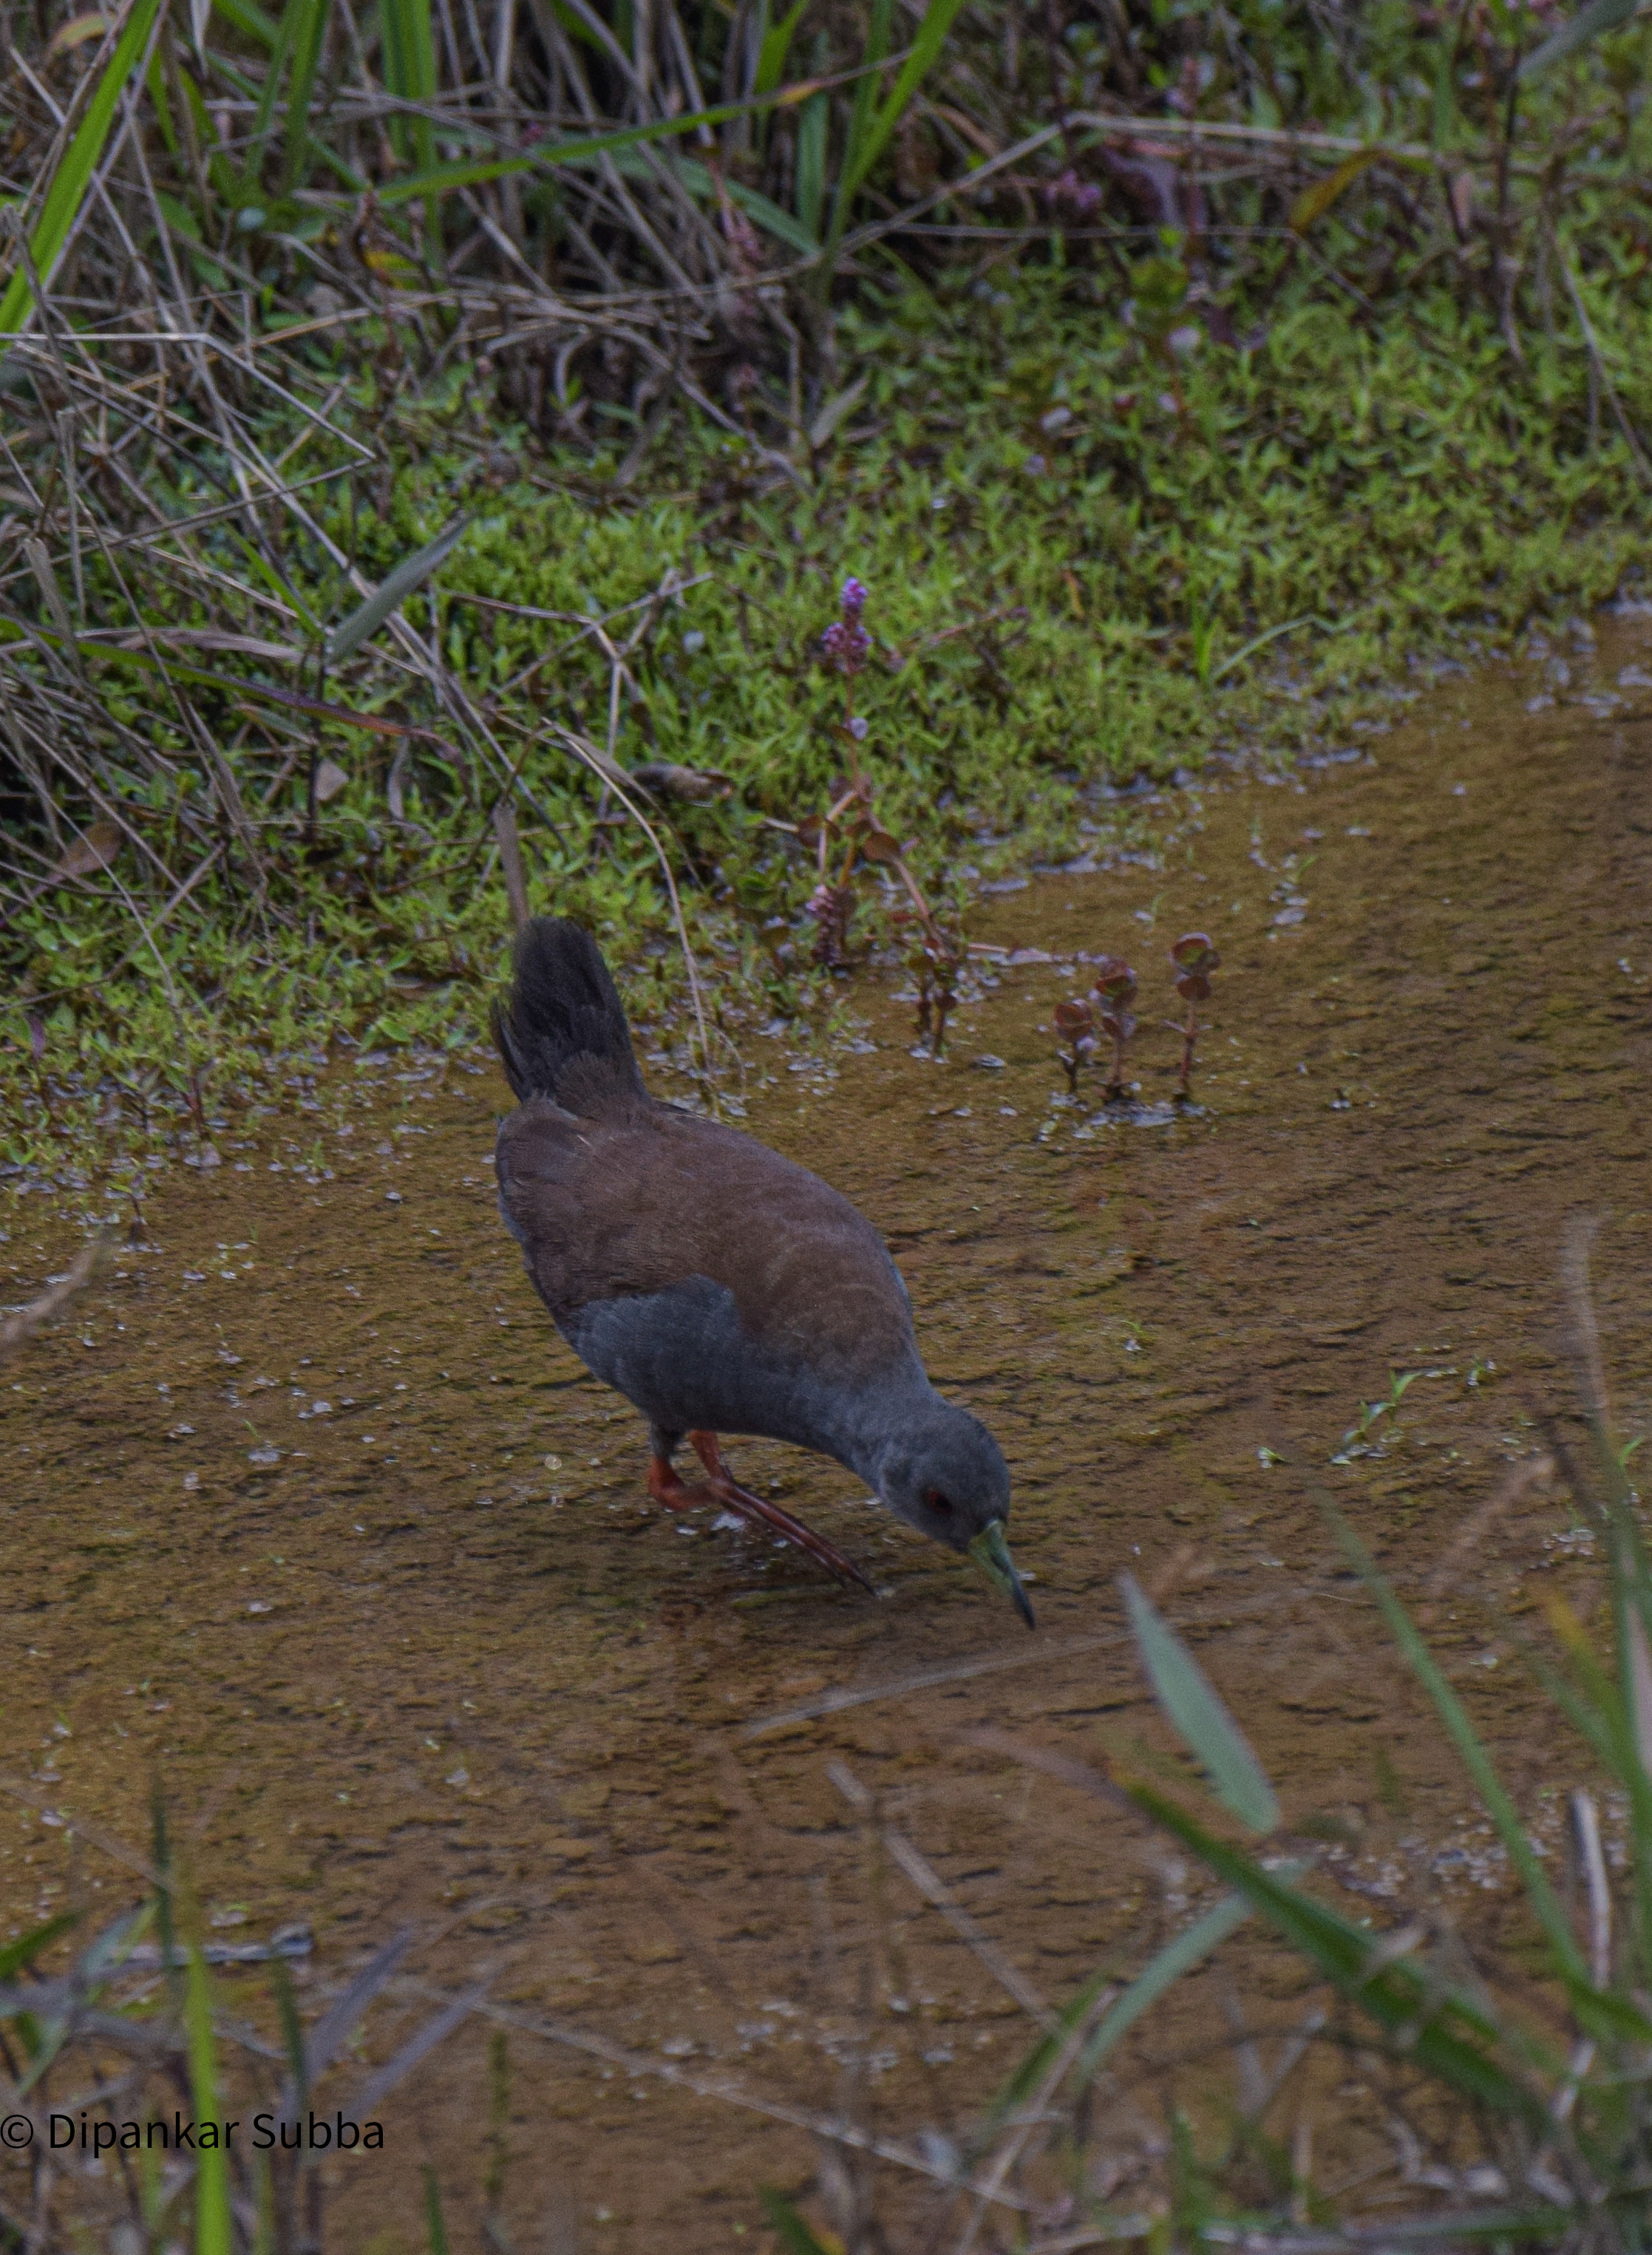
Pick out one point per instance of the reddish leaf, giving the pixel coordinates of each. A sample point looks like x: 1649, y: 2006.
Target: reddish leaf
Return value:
x: 1073, y: 1018
x: 878, y: 845
x: 1118, y: 1024
x: 1193, y: 952
x: 1194, y: 986
x: 809, y: 830
x: 1115, y: 978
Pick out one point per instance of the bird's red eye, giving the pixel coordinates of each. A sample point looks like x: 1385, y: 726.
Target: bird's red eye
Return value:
x: 938, y: 1502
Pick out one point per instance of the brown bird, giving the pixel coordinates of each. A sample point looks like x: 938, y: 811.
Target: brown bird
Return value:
x: 720, y: 1287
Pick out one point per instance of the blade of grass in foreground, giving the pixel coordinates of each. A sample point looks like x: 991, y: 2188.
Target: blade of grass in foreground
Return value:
x: 1626, y: 1709
x: 938, y: 21
x: 1588, y: 24
x: 14, y: 1955
x: 435, y: 2222
x: 214, y: 2234
x: 254, y: 23
x: 410, y: 71
x: 309, y: 34
x: 1447, y: 2033
x: 140, y: 661
x: 1025, y: 2078
x: 392, y: 592
x: 1184, y: 1691
x: 777, y: 45
x: 69, y: 183
x: 1545, y: 1904
x: 303, y: 23
x: 1406, y: 2005
x: 1176, y: 1957
x: 102, y: 1958
x: 788, y: 2226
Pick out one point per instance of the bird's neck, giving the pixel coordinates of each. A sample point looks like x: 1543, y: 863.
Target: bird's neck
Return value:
x: 879, y: 1421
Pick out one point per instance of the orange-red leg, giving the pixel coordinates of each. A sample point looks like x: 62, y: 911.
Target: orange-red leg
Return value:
x: 667, y: 1487
x: 727, y: 1491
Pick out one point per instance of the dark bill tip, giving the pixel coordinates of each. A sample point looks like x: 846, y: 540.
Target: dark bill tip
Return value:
x: 991, y: 1553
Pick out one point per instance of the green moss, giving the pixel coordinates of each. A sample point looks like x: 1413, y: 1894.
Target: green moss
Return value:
x: 1071, y: 576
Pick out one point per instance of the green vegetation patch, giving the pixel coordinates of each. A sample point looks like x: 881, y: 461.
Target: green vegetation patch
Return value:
x: 1102, y: 550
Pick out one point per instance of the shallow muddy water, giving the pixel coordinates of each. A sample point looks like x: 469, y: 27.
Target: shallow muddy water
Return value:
x: 321, y: 1519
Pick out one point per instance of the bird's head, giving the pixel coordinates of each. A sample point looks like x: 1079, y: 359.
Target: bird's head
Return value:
x: 947, y: 1477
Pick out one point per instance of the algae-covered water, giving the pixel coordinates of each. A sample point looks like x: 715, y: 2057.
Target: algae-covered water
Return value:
x: 309, y: 1510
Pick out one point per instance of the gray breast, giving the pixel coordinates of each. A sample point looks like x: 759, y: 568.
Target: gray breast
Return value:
x: 684, y: 1357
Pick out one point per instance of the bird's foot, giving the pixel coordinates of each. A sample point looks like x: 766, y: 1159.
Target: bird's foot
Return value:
x: 666, y: 1487
x: 727, y: 1491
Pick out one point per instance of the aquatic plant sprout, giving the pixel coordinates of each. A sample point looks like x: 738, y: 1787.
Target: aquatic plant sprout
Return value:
x: 1114, y: 991
x: 1195, y: 959
x: 1076, y: 1021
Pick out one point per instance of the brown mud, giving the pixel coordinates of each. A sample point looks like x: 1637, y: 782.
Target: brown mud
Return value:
x: 320, y: 1521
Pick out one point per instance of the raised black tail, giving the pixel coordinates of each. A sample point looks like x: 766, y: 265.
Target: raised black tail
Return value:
x: 561, y: 1030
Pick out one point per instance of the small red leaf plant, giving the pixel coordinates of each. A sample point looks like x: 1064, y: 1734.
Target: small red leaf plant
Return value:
x: 1114, y: 991
x: 1076, y: 1021
x: 937, y: 955
x: 1195, y: 959
x: 1107, y: 1010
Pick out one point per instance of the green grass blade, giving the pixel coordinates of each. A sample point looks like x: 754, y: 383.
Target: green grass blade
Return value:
x: 108, y: 1953
x: 1592, y: 1712
x: 1185, y: 1693
x: 1589, y: 24
x: 864, y: 110
x: 220, y: 171
x: 435, y: 2222
x: 1261, y: 641
x: 1630, y: 1702
x: 267, y: 95
x: 251, y: 21
x: 869, y: 146
x: 292, y: 2030
x: 392, y: 592
x: 214, y: 2232
x: 308, y: 34
x: 1024, y: 2079
x: 410, y: 72
x: 44, y: 2038
x: 768, y: 215
x: 787, y: 2225
x: 155, y: 85
x: 777, y: 45
x: 1176, y: 1957
x: 440, y: 180
x: 297, y: 49
x: 161, y: 1854
x: 697, y: 179
x: 141, y: 661
x: 813, y: 122
x: 68, y: 184
x: 14, y: 1955
x: 1545, y: 1904
x: 1394, y: 1994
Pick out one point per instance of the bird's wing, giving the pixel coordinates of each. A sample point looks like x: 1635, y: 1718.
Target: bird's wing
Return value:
x: 607, y: 1209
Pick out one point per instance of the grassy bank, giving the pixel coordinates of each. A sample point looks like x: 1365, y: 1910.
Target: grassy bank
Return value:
x: 1096, y: 562
x: 1179, y: 386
